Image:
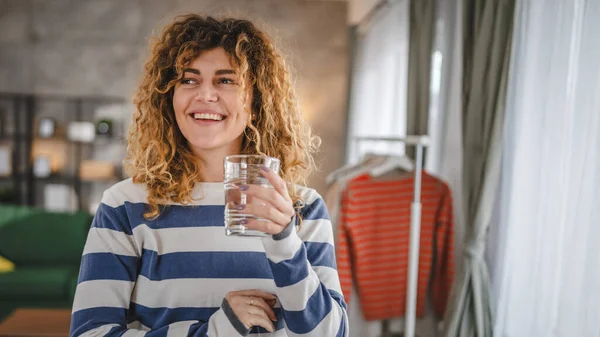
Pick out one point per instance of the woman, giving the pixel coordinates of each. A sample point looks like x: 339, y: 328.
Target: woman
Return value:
x: 157, y: 261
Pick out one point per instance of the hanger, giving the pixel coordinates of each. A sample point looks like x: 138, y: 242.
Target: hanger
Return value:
x: 392, y: 163
x: 366, y: 162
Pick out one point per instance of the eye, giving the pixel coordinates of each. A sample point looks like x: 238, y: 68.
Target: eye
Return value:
x: 225, y: 80
x: 188, y: 81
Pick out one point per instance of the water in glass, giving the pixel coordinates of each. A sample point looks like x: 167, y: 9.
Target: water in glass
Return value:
x: 243, y: 170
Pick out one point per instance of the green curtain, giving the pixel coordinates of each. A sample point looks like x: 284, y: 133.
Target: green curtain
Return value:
x: 422, y: 33
x: 487, y: 39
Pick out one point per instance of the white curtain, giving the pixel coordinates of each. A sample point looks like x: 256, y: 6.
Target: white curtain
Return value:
x: 379, y: 81
x: 444, y: 155
x: 546, y: 261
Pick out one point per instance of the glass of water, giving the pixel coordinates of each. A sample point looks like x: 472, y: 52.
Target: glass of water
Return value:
x: 244, y: 170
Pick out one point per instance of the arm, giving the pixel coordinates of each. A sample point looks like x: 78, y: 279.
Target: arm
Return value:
x: 107, y: 278
x: 304, y: 270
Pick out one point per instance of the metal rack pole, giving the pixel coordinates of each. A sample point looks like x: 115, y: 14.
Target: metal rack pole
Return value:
x: 415, y: 227
x: 413, y: 255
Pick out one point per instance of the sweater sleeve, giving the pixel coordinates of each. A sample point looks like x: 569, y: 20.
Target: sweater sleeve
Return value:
x: 107, y: 277
x: 304, y: 269
x: 343, y: 251
x: 444, y: 254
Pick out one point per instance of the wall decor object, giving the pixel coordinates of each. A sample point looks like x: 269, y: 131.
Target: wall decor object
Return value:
x: 42, y: 167
x: 96, y: 170
x: 46, y: 127
x: 104, y: 127
x: 60, y: 198
x: 84, y: 132
x: 53, y: 148
x: 5, y: 160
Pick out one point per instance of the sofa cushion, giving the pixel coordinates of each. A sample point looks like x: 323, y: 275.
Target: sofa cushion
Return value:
x: 45, y: 239
x: 10, y: 213
x: 37, y: 284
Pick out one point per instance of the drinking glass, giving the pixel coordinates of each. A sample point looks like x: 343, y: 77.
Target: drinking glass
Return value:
x: 244, y: 170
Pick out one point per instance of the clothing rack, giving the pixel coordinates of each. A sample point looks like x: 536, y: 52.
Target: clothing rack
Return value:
x: 420, y: 142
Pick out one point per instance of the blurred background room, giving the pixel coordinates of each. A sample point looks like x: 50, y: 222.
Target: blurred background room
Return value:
x: 460, y: 156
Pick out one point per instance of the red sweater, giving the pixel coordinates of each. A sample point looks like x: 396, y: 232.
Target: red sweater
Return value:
x: 373, y: 244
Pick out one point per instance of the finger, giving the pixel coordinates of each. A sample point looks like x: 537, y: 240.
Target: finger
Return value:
x: 265, y: 210
x: 277, y: 182
x: 264, y: 226
x: 271, y: 196
x: 241, y: 299
x: 271, y: 303
x: 255, y: 310
x: 257, y: 317
x: 262, y: 304
x: 256, y: 293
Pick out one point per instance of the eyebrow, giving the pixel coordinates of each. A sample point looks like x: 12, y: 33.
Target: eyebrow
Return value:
x: 218, y: 72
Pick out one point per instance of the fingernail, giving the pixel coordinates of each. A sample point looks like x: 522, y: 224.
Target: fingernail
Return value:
x: 243, y: 187
x: 240, y: 207
x: 244, y: 221
x: 264, y: 168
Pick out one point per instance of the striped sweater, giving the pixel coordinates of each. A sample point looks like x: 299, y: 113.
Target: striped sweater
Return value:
x: 168, y: 276
x: 373, y: 244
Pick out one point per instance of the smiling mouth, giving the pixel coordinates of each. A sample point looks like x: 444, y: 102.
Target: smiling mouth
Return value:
x: 203, y: 116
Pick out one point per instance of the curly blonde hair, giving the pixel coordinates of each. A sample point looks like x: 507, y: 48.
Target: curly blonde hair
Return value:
x: 158, y: 155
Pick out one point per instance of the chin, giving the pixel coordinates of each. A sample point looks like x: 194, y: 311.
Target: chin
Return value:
x: 211, y: 143
x: 207, y: 144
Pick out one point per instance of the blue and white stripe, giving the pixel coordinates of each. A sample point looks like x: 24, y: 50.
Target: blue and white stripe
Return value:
x: 168, y: 276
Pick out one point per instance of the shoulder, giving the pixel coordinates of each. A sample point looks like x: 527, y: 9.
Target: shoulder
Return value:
x: 314, y: 205
x: 316, y: 226
x: 125, y: 191
x: 308, y: 195
x: 436, y: 184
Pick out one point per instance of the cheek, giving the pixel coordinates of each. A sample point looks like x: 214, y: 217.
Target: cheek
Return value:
x: 178, y: 101
x: 235, y: 106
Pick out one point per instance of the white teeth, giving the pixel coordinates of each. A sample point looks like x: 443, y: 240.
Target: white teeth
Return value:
x: 214, y: 117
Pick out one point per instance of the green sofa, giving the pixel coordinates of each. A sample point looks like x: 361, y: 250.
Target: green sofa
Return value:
x: 46, y: 249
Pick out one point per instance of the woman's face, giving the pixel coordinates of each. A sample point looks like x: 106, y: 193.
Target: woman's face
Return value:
x: 208, y: 106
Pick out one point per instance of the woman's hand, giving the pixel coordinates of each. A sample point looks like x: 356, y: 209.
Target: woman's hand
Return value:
x: 275, y: 205
x: 253, y: 308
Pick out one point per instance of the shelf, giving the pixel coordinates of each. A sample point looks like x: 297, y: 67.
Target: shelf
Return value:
x: 12, y: 138
x: 70, y: 179
x: 20, y: 134
x: 102, y: 100
x: 99, y: 140
x: 57, y: 178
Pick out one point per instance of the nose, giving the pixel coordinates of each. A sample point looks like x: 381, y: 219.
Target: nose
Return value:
x: 207, y: 93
